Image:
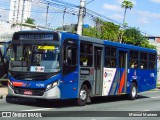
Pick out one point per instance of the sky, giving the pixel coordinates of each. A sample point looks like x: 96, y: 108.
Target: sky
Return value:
x: 145, y: 14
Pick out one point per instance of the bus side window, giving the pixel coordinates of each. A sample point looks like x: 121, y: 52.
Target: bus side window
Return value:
x: 152, y: 61
x: 110, y: 57
x: 133, y: 59
x: 144, y: 60
x: 69, y: 57
x: 86, y: 54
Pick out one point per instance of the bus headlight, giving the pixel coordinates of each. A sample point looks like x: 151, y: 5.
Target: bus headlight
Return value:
x: 52, y: 85
x: 55, y: 84
x: 49, y: 86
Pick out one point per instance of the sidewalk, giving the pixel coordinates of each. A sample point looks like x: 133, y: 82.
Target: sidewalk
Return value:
x: 158, y: 82
x: 3, y: 91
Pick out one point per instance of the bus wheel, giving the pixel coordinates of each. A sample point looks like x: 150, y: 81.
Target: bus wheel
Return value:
x: 83, y: 95
x: 133, y: 91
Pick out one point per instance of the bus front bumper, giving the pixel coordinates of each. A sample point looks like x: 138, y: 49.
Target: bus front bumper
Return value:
x: 53, y: 93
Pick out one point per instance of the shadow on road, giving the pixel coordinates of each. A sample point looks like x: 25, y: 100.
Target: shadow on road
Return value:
x: 108, y: 99
x: 64, y: 103
x: 40, y: 102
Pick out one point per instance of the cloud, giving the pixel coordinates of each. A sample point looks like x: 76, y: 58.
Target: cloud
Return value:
x: 148, y: 14
x: 156, y: 1
x: 119, y: 1
x: 117, y: 16
x: 112, y: 7
x: 116, y: 6
x: 143, y: 20
x: 3, y: 14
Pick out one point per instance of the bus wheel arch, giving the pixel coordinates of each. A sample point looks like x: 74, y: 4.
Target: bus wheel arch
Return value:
x: 133, y: 90
x: 84, y: 93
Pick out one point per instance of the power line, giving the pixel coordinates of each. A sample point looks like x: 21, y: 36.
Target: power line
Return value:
x: 89, y: 2
x: 58, y: 6
x: 31, y: 11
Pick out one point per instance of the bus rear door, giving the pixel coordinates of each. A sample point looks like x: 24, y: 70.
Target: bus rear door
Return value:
x: 122, y: 70
x: 98, y: 62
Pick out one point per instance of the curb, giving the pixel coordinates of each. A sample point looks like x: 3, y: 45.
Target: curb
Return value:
x: 4, y: 92
x: 2, y: 96
x: 158, y: 87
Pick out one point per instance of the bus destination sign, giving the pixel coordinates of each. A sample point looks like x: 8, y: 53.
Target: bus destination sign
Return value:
x: 36, y: 37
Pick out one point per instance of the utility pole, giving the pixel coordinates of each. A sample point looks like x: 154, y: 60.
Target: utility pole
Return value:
x: 81, y: 16
x: 63, y: 26
x: 47, y: 14
x: 22, y: 14
x: 18, y: 12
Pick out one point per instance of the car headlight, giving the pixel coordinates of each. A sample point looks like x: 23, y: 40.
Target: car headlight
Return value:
x: 52, y: 85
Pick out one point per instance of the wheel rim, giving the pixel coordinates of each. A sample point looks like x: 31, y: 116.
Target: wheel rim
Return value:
x: 83, y: 95
x: 134, y: 91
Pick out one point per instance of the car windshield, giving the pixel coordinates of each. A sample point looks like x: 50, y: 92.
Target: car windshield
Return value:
x: 35, y: 58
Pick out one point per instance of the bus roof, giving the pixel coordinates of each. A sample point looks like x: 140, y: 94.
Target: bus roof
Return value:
x: 35, y: 31
x: 128, y: 46
x: 95, y: 40
x: 116, y: 44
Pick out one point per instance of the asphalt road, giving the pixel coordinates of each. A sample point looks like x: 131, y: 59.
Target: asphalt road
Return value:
x: 146, y: 102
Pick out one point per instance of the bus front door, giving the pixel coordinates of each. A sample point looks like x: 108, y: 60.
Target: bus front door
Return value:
x: 122, y: 69
x: 98, y: 51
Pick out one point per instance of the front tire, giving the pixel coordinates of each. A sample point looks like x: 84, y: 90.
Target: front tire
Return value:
x: 83, y: 95
x: 133, y: 91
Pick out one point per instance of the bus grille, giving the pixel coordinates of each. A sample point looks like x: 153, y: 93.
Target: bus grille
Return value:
x: 35, y: 92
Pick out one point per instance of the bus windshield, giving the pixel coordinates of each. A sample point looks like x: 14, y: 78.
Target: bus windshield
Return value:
x: 35, y: 58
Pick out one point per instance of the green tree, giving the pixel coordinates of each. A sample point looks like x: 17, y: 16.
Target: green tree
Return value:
x: 126, y: 4
x: 133, y: 36
x: 103, y: 30
x: 145, y: 43
x: 30, y: 21
x: 91, y: 32
x: 110, y: 31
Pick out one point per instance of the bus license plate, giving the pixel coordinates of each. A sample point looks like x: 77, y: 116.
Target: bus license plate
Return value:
x: 26, y: 92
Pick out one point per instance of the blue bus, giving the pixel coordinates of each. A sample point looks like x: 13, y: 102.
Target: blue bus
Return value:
x: 62, y: 65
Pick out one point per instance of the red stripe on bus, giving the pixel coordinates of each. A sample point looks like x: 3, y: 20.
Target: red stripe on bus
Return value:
x: 122, y: 82
x: 17, y: 84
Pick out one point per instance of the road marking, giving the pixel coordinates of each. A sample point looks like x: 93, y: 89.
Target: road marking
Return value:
x: 142, y: 111
x: 146, y: 110
x: 155, y: 97
x: 38, y: 109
